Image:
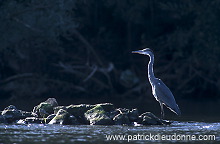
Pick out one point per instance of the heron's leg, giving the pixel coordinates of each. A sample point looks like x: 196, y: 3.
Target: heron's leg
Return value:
x: 162, y: 111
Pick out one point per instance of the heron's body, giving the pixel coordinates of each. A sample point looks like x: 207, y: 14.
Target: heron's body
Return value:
x: 160, y: 91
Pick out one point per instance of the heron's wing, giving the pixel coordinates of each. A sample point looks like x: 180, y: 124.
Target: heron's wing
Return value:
x: 164, y: 95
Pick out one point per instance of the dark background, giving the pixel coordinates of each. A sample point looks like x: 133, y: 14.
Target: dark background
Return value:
x: 79, y: 51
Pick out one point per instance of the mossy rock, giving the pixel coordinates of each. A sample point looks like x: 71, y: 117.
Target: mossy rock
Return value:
x: 108, y: 107
x: 79, y: 110
x: 98, y: 116
x: 43, y: 109
x: 64, y: 118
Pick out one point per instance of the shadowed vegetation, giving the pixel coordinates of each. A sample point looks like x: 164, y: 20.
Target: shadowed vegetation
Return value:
x: 81, y: 49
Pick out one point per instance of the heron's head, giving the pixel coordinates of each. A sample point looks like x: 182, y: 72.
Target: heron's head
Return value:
x: 145, y: 51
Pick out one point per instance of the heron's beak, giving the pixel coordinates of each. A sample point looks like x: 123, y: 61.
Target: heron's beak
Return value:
x: 140, y: 52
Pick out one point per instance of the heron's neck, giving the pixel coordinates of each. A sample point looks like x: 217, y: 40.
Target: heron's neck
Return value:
x: 150, y: 66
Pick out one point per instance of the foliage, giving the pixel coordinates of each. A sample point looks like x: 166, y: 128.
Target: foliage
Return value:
x: 82, y: 48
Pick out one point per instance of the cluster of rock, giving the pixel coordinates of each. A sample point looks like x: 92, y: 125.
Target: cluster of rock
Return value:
x: 49, y: 112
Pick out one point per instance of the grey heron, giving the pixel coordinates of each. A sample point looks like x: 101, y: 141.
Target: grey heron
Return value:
x: 160, y: 91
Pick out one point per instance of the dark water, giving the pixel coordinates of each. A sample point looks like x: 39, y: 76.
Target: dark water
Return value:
x: 51, y: 134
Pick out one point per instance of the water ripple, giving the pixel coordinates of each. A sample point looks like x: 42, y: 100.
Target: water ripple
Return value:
x: 50, y: 134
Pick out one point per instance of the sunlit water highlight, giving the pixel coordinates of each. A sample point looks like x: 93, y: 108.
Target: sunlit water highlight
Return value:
x: 51, y: 134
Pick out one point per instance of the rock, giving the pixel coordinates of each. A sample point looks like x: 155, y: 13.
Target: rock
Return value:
x: 57, y: 108
x: 122, y: 110
x: 28, y: 114
x: 133, y: 115
x: 35, y: 120
x: 136, y: 124
x: 148, y: 118
x: 21, y: 121
x: 64, y: 118
x: 11, y: 114
x: 11, y: 107
x: 125, y: 116
x: 97, y: 116
x: 50, y: 117
x: 121, y: 119
x: 52, y: 101
x: 2, y: 119
x: 31, y: 120
x: 79, y: 110
x: 112, y: 114
x: 73, y: 120
x: 45, y: 108
x: 166, y: 122
x: 108, y: 107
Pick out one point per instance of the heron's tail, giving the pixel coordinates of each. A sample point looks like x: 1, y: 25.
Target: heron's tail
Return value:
x: 177, y: 110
